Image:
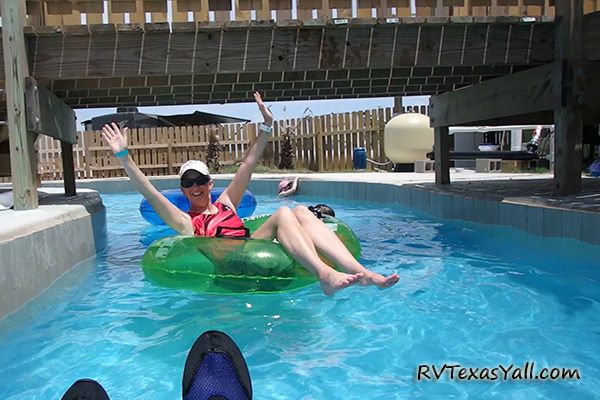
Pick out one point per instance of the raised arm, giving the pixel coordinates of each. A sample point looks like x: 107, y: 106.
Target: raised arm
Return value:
x: 291, y: 190
x: 174, y: 217
x: 232, y: 195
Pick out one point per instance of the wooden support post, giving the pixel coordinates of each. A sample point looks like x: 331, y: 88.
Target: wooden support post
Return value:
x: 568, y: 119
x: 66, y: 152
x: 49, y: 115
x: 441, y: 150
x: 397, y: 105
x: 22, y: 152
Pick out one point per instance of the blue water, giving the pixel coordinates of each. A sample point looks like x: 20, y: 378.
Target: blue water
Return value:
x: 469, y: 294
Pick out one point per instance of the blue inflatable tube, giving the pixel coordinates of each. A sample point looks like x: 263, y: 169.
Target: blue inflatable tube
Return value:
x: 175, y: 196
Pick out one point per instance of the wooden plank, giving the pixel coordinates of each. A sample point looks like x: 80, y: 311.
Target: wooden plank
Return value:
x: 345, y: 140
x: 441, y: 149
x: 319, y: 144
x: 309, y: 4
x: 264, y: 14
x: 534, y: 90
x: 123, y: 6
x: 590, y: 6
x: 152, y: 154
x: 59, y: 7
x: 86, y: 156
x: 383, y: 8
x: 243, y: 14
x: 155, y: 6
x: 219, y: 5
x: 342, y: 7
x: 281, y: 5
x: 247, y: 5
x: 356, y: 122
x: 23, y: 161
x: 47, y: 114
x: 68, y: 168
x: 568, y: 119
x: 90, y: 7
x: 158, y: 10
x: 304, y: 8
x: 311, y: 131
x: 379, y: 155
x: 335, y: 148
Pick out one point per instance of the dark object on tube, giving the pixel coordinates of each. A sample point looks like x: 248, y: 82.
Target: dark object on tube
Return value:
x: 320, y: 210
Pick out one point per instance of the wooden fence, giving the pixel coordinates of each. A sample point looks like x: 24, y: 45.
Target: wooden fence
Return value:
x: 90, y: 12
x: 321, y: 143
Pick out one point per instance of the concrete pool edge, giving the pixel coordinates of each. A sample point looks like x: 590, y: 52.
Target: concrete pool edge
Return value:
x: 38, y: 246
x: 442, y: 202
x: 417, y: 192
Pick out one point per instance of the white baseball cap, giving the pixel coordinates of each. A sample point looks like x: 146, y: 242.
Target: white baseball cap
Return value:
x: 194, y: 165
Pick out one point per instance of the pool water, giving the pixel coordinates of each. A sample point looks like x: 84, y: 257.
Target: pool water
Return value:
x: 469, y: 294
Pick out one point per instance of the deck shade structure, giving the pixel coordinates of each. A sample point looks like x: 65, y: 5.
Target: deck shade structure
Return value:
x: 565, y: 92
x: 202, y: 63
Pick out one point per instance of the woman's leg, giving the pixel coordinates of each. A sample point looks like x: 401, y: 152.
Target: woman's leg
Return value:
x: 284, y: 226
x: 328, y: 244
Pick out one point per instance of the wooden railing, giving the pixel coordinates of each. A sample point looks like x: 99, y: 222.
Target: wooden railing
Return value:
x: 322, y: 143
x: 89, y: 12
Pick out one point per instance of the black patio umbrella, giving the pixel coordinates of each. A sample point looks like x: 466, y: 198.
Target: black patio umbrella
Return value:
x: 132, y: 118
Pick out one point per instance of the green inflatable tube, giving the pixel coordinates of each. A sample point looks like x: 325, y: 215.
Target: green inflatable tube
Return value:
x: 230, y: 265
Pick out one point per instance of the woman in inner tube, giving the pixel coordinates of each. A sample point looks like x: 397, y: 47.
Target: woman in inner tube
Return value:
x: 298, y: 230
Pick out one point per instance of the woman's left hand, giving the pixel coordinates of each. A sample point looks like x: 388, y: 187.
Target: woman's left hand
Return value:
x: 114, y: 137
x: 267, y: 116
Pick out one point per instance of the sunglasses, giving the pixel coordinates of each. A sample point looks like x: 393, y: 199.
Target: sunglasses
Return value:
x: 199, y: 181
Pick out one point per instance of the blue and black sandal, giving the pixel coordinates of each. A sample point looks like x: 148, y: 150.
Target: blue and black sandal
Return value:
x: 215, y: 369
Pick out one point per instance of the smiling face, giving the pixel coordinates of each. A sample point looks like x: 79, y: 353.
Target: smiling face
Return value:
x: 198, y: 194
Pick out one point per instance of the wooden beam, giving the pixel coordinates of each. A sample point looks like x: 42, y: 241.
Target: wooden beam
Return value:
x: 22, y: 154
x: 568, y: 119
x: 526, y: 92
x: 49, y: 115
x: 441, y: 150
x: 66, y: 153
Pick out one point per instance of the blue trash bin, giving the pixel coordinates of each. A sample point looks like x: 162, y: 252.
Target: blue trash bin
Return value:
x: 359, y: 158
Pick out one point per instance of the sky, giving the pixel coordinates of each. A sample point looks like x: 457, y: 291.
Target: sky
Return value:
x: 280, y: 110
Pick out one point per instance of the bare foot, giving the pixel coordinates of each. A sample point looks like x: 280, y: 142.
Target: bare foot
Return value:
x: 382, y: 282
x: 338, y: 280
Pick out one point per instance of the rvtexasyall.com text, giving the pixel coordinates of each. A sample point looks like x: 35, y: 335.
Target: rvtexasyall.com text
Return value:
x: 528, y: 371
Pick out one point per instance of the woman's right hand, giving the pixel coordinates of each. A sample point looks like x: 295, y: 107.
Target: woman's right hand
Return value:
x: 114, y: 137
x: 267, y: 116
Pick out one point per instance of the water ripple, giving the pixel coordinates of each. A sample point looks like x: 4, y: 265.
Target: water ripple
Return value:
x: 468, y: 294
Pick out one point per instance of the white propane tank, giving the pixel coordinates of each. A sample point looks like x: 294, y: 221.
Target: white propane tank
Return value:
x: 407, y: 138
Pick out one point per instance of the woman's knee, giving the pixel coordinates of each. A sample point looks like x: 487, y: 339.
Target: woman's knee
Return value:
x: 283, y: 214
x: 302, y: 211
